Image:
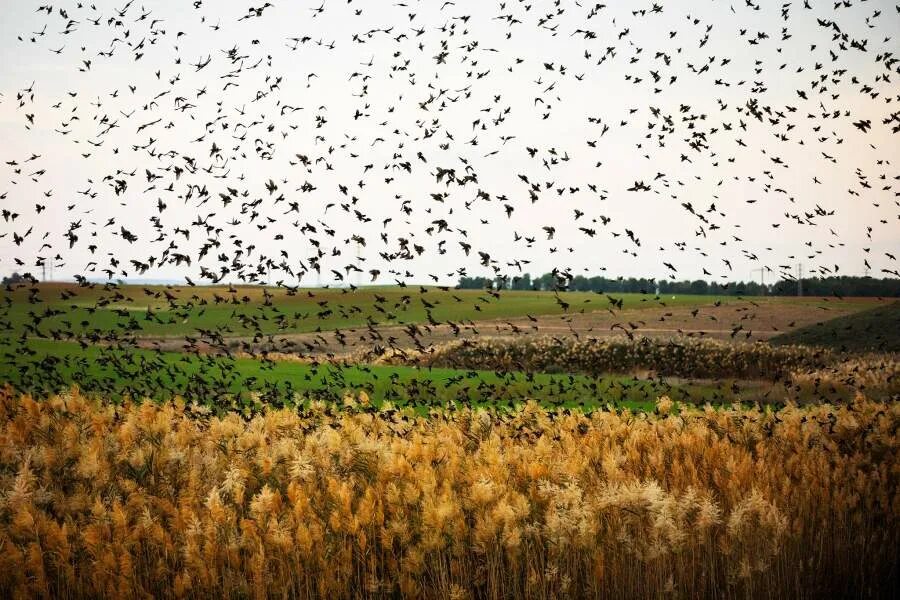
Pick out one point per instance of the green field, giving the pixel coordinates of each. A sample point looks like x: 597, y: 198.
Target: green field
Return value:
x: 877, y: 329
x: 219, y: 381
x: 36, y: 322
x: 64, y: 309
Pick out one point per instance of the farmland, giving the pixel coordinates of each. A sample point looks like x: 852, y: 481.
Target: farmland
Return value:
x: 168, y: 311
x: 213, y: 343
x: 216, y: 442
x: 148, y: 374
x: 875, y: 329
x: 171, y: 311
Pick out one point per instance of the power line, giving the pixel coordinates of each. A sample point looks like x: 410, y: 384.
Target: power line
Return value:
x: 762, y: 277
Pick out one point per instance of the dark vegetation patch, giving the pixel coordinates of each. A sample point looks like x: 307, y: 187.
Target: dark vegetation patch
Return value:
x: 876, y: 329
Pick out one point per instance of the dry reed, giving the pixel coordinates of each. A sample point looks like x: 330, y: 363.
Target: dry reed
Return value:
x: 149, y: 500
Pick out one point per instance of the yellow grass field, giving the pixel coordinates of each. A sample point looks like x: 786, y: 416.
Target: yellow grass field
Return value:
x: 162, y: 500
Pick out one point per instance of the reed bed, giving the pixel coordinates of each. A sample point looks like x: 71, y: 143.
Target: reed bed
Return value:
x: 874, y: 375
x: 167, y: 500
x: 806, y: 373
x: 694, y: 358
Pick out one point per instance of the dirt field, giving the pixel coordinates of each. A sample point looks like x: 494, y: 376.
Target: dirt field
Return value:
x: 753, y: 320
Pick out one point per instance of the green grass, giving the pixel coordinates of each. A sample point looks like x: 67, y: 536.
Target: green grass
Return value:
x: 43, y: 367
x: 877, y: 329
x: 62, y: 309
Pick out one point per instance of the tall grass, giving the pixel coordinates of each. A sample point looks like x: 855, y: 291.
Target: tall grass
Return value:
x: 141, y: 500
x: 807, y: 374
x: 597, y: 356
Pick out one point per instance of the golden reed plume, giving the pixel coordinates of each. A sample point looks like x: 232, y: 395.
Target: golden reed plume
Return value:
x: 163, y: 500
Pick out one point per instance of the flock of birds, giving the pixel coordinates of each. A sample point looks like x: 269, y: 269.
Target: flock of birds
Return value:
x: 209, y: 145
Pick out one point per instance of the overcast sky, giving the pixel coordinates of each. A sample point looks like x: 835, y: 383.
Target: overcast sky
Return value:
x: 471, y: 86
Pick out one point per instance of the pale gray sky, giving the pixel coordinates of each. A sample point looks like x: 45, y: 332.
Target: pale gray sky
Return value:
x: 385, y: 62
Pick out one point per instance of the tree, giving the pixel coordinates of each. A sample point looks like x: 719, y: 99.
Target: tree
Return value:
x: 473, y: 283
x: 521, y: 282
x: 564, y: 280
x: 699, y: 286
x: 17, y: 278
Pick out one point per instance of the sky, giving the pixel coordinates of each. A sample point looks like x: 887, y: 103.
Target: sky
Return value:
x: 555, y: 110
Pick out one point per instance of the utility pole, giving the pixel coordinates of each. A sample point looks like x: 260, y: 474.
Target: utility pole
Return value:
x: 762, y: 278
x: 799, y: 279
x: 358, y: 262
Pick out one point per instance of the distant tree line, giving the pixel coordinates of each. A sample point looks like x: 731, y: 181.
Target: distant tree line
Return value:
x: 813, y: 286
x: 17, y: 278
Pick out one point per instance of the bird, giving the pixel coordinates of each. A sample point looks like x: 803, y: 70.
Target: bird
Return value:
x: 446, y: 155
